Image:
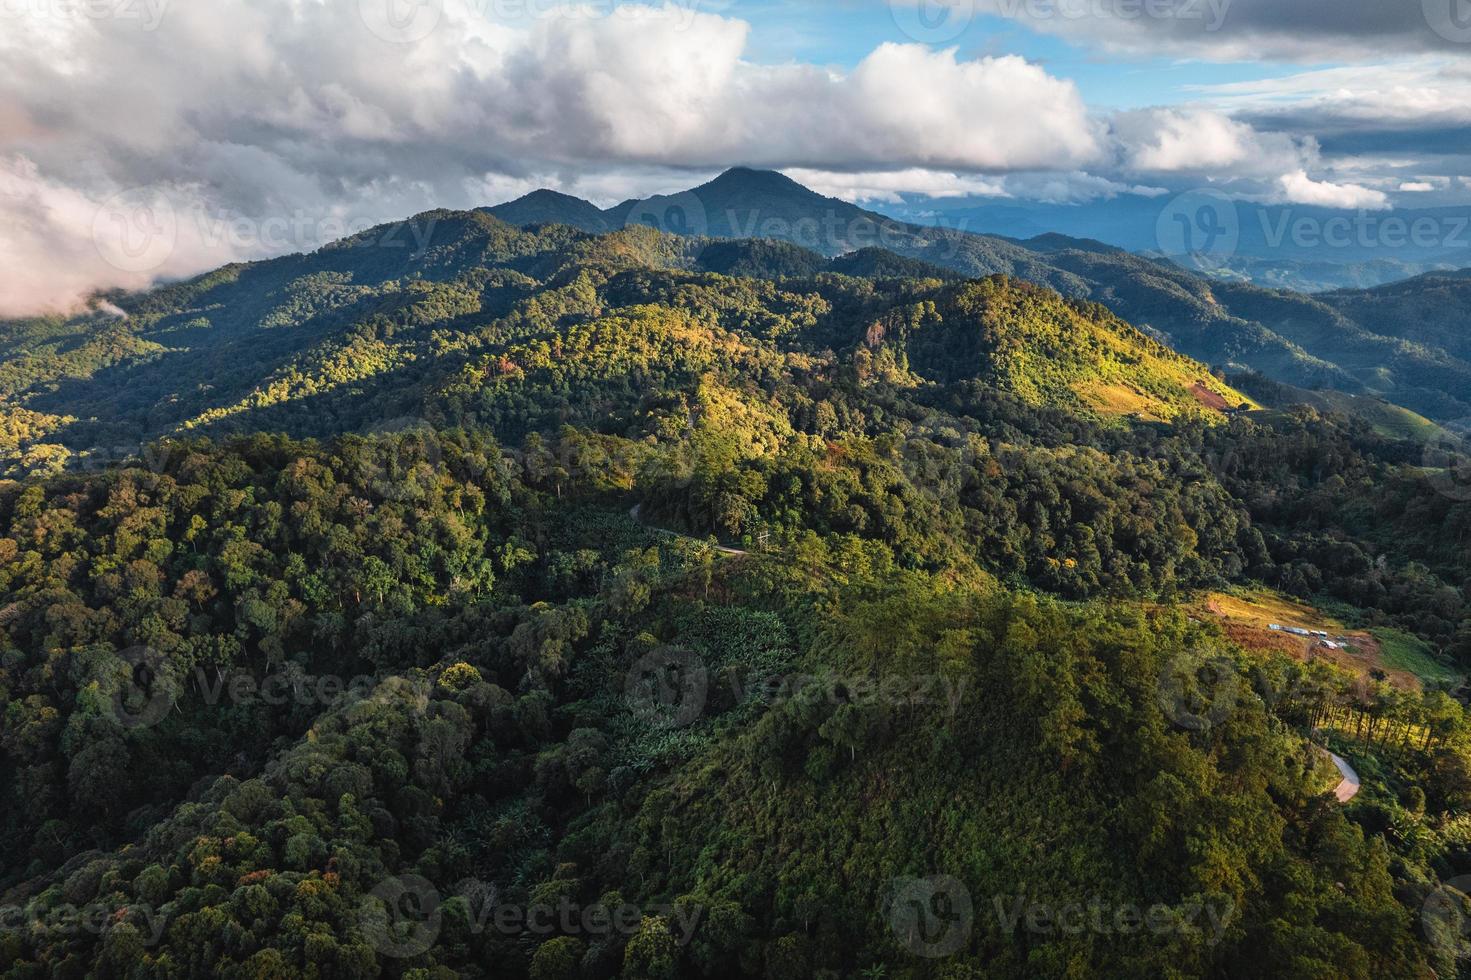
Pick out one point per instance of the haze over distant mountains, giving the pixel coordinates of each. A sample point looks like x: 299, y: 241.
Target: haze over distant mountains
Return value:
x: 1406, y: 352
x: 1299, y: 247
x: 293, y: 342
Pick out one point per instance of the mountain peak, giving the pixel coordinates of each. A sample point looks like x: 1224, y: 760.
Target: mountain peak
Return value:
x: 546, y: 194
x: 549, y: 207
x: 750, y: 179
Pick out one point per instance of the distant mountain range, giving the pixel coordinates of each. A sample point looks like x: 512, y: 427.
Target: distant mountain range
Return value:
x: 1374, y: 343
x: 1307, y: 249
x: 384, y: 323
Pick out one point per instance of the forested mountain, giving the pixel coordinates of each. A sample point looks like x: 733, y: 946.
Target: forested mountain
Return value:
x: 473, y: 600
x: 1358, y: 347
x: 403, y: 320
x: 1266, y: 251
x: 1431, y: 310
x: 546, y: 207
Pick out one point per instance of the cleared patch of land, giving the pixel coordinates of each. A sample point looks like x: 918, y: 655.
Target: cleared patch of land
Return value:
x: 1247, y: 616
x: 1213, y: 399
x: 1401, y: 651
x: 1119, y: 399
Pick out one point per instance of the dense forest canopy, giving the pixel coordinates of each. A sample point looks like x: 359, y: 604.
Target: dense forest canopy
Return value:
x: 549, y: 604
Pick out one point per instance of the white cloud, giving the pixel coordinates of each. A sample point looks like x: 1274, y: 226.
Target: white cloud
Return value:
x: 889, y: 186
x: 1299, y: 188
x: 295, y: 110
x: 294, y: 113
x: 1198, y: 141
x: 1429, y: 90
x: 57, y: 244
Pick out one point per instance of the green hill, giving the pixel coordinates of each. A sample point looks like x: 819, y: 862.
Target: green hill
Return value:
x: 767, y: 621
x: 1396, y: 344
x: 331, y: 342
x: 1387, y: 419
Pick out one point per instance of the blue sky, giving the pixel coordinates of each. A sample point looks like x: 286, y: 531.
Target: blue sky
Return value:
x: 250, y: 120
x: 843, y: 34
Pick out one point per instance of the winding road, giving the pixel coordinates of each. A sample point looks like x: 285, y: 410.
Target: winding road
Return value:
x: 1343, y: 792
x: 1349, y: 788
x: 637, y: 510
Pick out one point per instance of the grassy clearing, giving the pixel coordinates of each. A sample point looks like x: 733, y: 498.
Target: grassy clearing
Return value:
x: 1262, y: 607
x: 1401, y: 651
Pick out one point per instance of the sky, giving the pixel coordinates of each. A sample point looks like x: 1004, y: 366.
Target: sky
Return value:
x: 148, y: 139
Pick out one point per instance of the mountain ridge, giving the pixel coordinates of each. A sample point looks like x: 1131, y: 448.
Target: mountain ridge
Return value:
x: 1300, y: 340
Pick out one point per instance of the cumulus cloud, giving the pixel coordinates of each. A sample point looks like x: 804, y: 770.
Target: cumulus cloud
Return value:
x: 1193, y: 140
x: 58, y: 244
x: 303, y: 113
x: 1299, y: 188
x: 266, y: 128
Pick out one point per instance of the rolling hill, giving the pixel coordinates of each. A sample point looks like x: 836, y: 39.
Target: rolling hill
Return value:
x: 484, y: 567
x: 326, y: 343
x: 1333, y: 341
